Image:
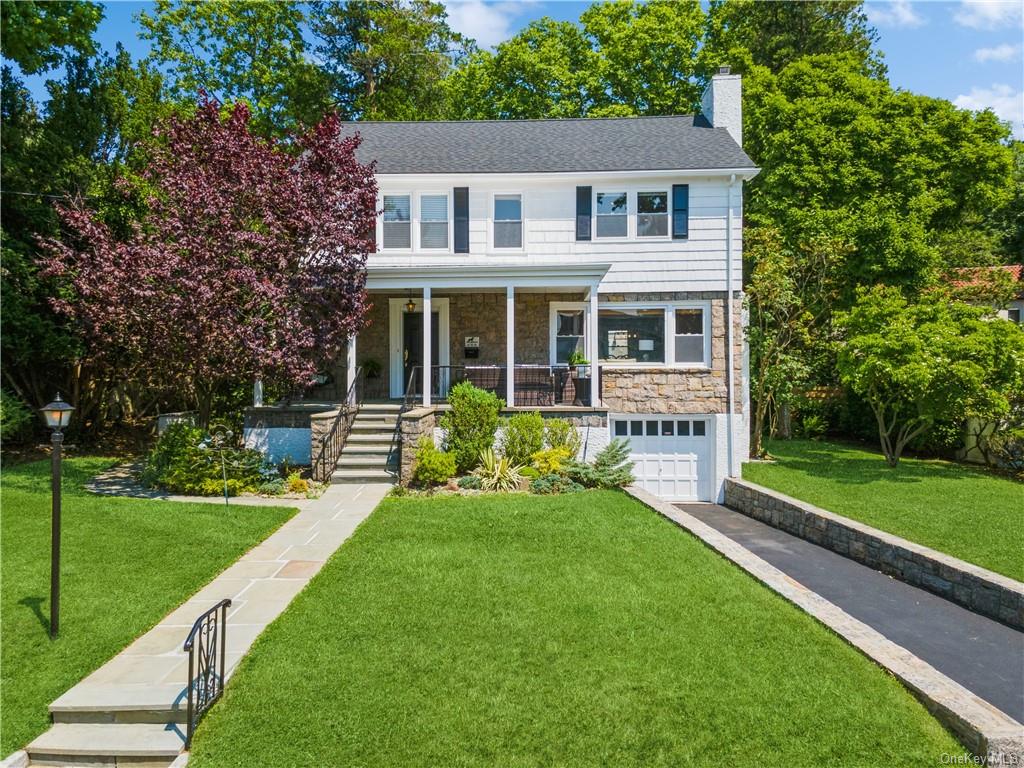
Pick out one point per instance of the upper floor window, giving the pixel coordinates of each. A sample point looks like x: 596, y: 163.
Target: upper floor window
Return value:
x: 612, y: 214
x: 397, y: 221
x: 434, y: 221
x: 508, y: 221
x: 652, y: 214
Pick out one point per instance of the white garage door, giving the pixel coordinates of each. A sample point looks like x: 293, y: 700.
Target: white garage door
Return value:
x: 674, y: 455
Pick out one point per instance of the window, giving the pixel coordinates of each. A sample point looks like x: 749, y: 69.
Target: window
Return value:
x: 631, y: 335
x: 508, y: 221
x: 698, y: 428
x: 397, y: 222
x: 620, y: 428
x: 1013, y: 315
x: 611, y: 214
x: 434, y: 221
x: 689, y: 336
x: 680, y: 211
x: 568, y: 333
x: 652, y: 214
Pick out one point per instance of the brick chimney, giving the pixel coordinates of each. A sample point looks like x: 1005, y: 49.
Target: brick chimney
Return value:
x: 722, y: 103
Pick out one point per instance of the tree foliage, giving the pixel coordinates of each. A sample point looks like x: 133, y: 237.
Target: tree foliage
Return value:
x: 919, y: 362
x: 38, y: 35
x: 248, y: 261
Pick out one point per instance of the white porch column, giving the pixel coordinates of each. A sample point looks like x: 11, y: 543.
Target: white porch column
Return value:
x: 257, y: 393
x: 350, y: 367
x: 592, y: 352
x: 510, y: 345
x: 427, y: 362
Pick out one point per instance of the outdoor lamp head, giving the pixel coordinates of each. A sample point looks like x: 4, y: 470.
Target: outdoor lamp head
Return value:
x: 57, y: 414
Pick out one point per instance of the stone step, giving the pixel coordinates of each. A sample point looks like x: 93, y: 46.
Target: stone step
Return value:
x: 381, y: 407
x: 367, y: 460
x: 388, y: 416
x: 384, y: 427
x: 366, y: 449
x: 76, y: 744
x: 362, y: 476
x: 120, y: 704
x: 361, y: 438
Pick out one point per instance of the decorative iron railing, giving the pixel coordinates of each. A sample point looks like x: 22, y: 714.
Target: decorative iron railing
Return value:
x: 534, y: 385
x: 333, y: 441
x: 205, y: 645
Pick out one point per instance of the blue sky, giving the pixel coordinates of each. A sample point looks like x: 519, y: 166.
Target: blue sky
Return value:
x: 968, y: 51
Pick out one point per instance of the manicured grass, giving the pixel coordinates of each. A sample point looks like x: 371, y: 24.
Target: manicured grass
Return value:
x: 576, y: 630
x: 126, y: 563
x: 965, y: 512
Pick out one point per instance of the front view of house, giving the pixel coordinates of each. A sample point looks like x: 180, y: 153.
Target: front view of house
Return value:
x: 585, y: 268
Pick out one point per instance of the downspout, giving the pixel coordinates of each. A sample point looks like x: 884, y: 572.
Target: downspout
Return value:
x: 730, y: 371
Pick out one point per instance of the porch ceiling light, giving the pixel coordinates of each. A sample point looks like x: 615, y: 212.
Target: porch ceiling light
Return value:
x: 410, y: 305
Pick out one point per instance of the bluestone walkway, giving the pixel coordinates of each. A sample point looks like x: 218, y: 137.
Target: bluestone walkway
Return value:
x: 984, y: 656
x: 151, y: 673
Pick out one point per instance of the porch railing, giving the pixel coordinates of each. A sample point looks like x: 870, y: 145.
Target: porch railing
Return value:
x: 533, y: 385
x: 205, y: 645
x: 333, y: 441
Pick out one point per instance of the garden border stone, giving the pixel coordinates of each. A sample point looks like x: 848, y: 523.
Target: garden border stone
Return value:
x: 970, y: 586
x: 990, y: 734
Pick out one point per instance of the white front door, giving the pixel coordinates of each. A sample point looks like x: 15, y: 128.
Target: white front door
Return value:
x: 673, y: 453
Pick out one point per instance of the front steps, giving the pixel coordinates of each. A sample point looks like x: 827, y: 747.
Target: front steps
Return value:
x: 370, y: 452
x: 141, y: 745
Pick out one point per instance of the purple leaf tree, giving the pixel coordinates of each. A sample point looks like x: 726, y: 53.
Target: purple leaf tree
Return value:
x: 248, y: 263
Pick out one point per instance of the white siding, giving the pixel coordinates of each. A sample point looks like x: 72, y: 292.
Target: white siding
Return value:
x: 549, y: 210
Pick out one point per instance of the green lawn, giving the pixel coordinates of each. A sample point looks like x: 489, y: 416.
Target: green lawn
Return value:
x: 575, y: 630
x: 126, y: 564
x: 959, y: 510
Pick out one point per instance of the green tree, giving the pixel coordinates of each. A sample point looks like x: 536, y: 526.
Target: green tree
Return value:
x: 38, y: 35
x: 239, y: 50
x: 387, y: 59
x: 917, y: 363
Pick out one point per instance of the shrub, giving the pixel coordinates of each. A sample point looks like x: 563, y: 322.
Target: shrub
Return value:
x: 551, y: 460
x: 530, y: 473
x: 398, y: 491
x: 562, y: 433
x: 182, y: 462
x: 812, y: 426
x: 547, y: 485
x: 497, y: 474
x: 611, y: 468
x: 432, y: 467
x: 272, y: 487
x: 15, y: 416
x: 297, y: 483
x: 469, y: 482
x: 523, y: 436
x: 470, y: 424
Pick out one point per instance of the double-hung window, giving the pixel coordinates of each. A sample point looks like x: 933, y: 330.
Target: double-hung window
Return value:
x: 434, y: 222
x: 652, y: 214
x: 397, y: 221
x: 612, y: 212
x: 569, y: 333
x: 508, y: 221
x: 689, y: 336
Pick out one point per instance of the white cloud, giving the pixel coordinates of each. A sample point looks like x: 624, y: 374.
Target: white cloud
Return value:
x: 898, y: 13
x: 487, y: 23
x: 1004, y: 52
x: 1005, y: 101
x: 988, y: 14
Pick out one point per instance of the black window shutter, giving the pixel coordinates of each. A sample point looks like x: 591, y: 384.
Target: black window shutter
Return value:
x: 680, y: 211
x: 583, y: 213
x: 461, y: 200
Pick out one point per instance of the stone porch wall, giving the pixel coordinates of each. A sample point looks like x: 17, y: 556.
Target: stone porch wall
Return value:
x: 413, y: 425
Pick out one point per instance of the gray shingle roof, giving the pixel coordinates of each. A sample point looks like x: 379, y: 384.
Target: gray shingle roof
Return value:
x: 684, y: 142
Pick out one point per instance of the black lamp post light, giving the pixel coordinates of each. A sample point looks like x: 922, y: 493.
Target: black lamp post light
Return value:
x: 57, y: 416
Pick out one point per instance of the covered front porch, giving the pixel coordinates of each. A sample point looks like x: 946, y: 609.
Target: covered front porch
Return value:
x: 528, y: 334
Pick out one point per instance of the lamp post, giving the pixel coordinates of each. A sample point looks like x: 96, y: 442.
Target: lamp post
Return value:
x: 57, y: 416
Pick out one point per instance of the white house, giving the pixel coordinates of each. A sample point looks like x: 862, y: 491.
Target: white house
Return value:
x: 532, y: 244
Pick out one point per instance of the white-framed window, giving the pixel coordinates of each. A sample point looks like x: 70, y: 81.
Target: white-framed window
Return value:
x: 689, y: 335
x: 397, y: 224
x: 652, y: 214
x: 568, y: 327
x: 631, y: 335
x: 508, y: 221
x: 612, y: 213
x: 434, y: 221
x: 653, y: 334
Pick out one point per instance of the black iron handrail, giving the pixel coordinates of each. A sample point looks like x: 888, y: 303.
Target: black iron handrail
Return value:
x: 533, y: 385
x: 205, y: 645
x: 333, y: 442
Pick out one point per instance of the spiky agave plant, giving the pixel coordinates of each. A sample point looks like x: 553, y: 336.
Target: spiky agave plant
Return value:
x: 497, y: 473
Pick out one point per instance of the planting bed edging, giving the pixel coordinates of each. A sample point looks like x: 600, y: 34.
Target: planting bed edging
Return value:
x: 985, y: 730
x: 976, y: 589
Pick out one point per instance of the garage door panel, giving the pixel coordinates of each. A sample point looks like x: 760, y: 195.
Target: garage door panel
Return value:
x: 672, y: 453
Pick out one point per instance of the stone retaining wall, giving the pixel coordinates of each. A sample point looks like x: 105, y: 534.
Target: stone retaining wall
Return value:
x: 976, y: 589
x: 413, y: 425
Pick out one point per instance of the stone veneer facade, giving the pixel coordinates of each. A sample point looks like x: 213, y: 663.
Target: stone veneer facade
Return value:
x: 623, y: 390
